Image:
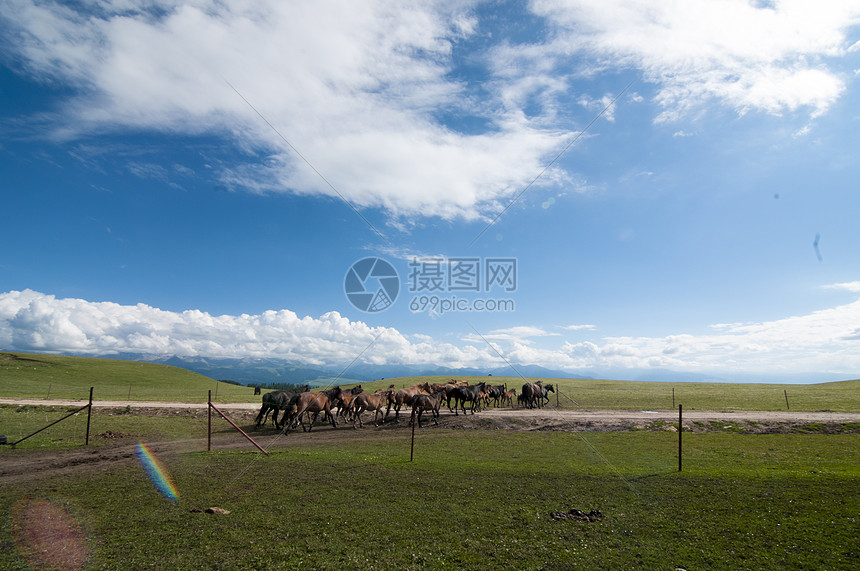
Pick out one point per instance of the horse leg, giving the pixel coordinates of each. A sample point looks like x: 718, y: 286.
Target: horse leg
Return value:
x: 302, y: 422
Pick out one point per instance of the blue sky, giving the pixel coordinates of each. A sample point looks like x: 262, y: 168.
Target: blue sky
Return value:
x: 677, y: 182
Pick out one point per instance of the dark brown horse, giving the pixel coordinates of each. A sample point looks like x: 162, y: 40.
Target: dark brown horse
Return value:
x: 422, y: 402
x: 404, y: 396
x: 344, y: 402
x: 276, y: 401
x: 531, y: 393
x: 311, y: 404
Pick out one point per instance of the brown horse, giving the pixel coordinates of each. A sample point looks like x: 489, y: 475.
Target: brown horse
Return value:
x: 312, y: 403
x: 508, y: 397
x: 344, y: 403
x: 375, y: 402
x: 404, y: 396
x: 532, y: 392
x: 276, y: 401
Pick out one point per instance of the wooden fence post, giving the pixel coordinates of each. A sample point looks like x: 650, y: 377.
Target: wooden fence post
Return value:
x: 680, y: 432
x: 89, y: 415
x: 412, y: 447
x: 209, y: 430
x: 785, y: 392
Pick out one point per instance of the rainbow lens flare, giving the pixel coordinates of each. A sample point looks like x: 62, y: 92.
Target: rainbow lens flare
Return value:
x: 157, y: 472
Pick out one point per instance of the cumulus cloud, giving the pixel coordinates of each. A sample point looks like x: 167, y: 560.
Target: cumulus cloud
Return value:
x: 824, y: 341
x: 33, y: 321
x: 355, y: 87
x: 361, y: 89
x: 742, y: 54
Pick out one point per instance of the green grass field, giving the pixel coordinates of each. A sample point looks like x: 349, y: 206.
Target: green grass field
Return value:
x: 843, y: 396
x: 471, y: 499
x: 51, y: 376
x: 475, y: 500
x: 26, y: 375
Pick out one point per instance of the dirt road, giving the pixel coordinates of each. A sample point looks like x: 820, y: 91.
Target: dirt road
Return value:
x: 546, y: 414
x: 20, y: 466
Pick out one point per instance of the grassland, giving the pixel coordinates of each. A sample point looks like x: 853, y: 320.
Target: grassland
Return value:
x: 474, y: 500
x: 843, y: 396
x: 25, y: 375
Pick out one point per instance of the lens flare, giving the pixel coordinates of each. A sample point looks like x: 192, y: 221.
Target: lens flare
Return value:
x: 157, y: 472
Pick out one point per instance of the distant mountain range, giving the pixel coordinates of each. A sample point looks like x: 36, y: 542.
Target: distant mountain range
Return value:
x: 250, y: 371
x: 263, y: 371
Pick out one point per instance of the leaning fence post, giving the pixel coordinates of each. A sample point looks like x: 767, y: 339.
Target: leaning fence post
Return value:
x: 89, y: 415
x: 233, y: 424
x: 785, y: 392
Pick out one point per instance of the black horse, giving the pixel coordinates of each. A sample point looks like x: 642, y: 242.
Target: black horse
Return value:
x: 496, y: 392
x: 470, y: 394
x: 544, y: 395
x: 276, y: 401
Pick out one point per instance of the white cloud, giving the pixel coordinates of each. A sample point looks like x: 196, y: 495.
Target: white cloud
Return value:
x: 578, y: 327
x: 33, y: 321
x: 822, y: 341
x: 355, y: 87
x: 358, y: 87
x: 518, y: 335
x: 768, y: 58
x: 846, y: 286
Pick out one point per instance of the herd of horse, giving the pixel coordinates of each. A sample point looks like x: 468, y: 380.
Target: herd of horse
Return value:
x: 290, y: 409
